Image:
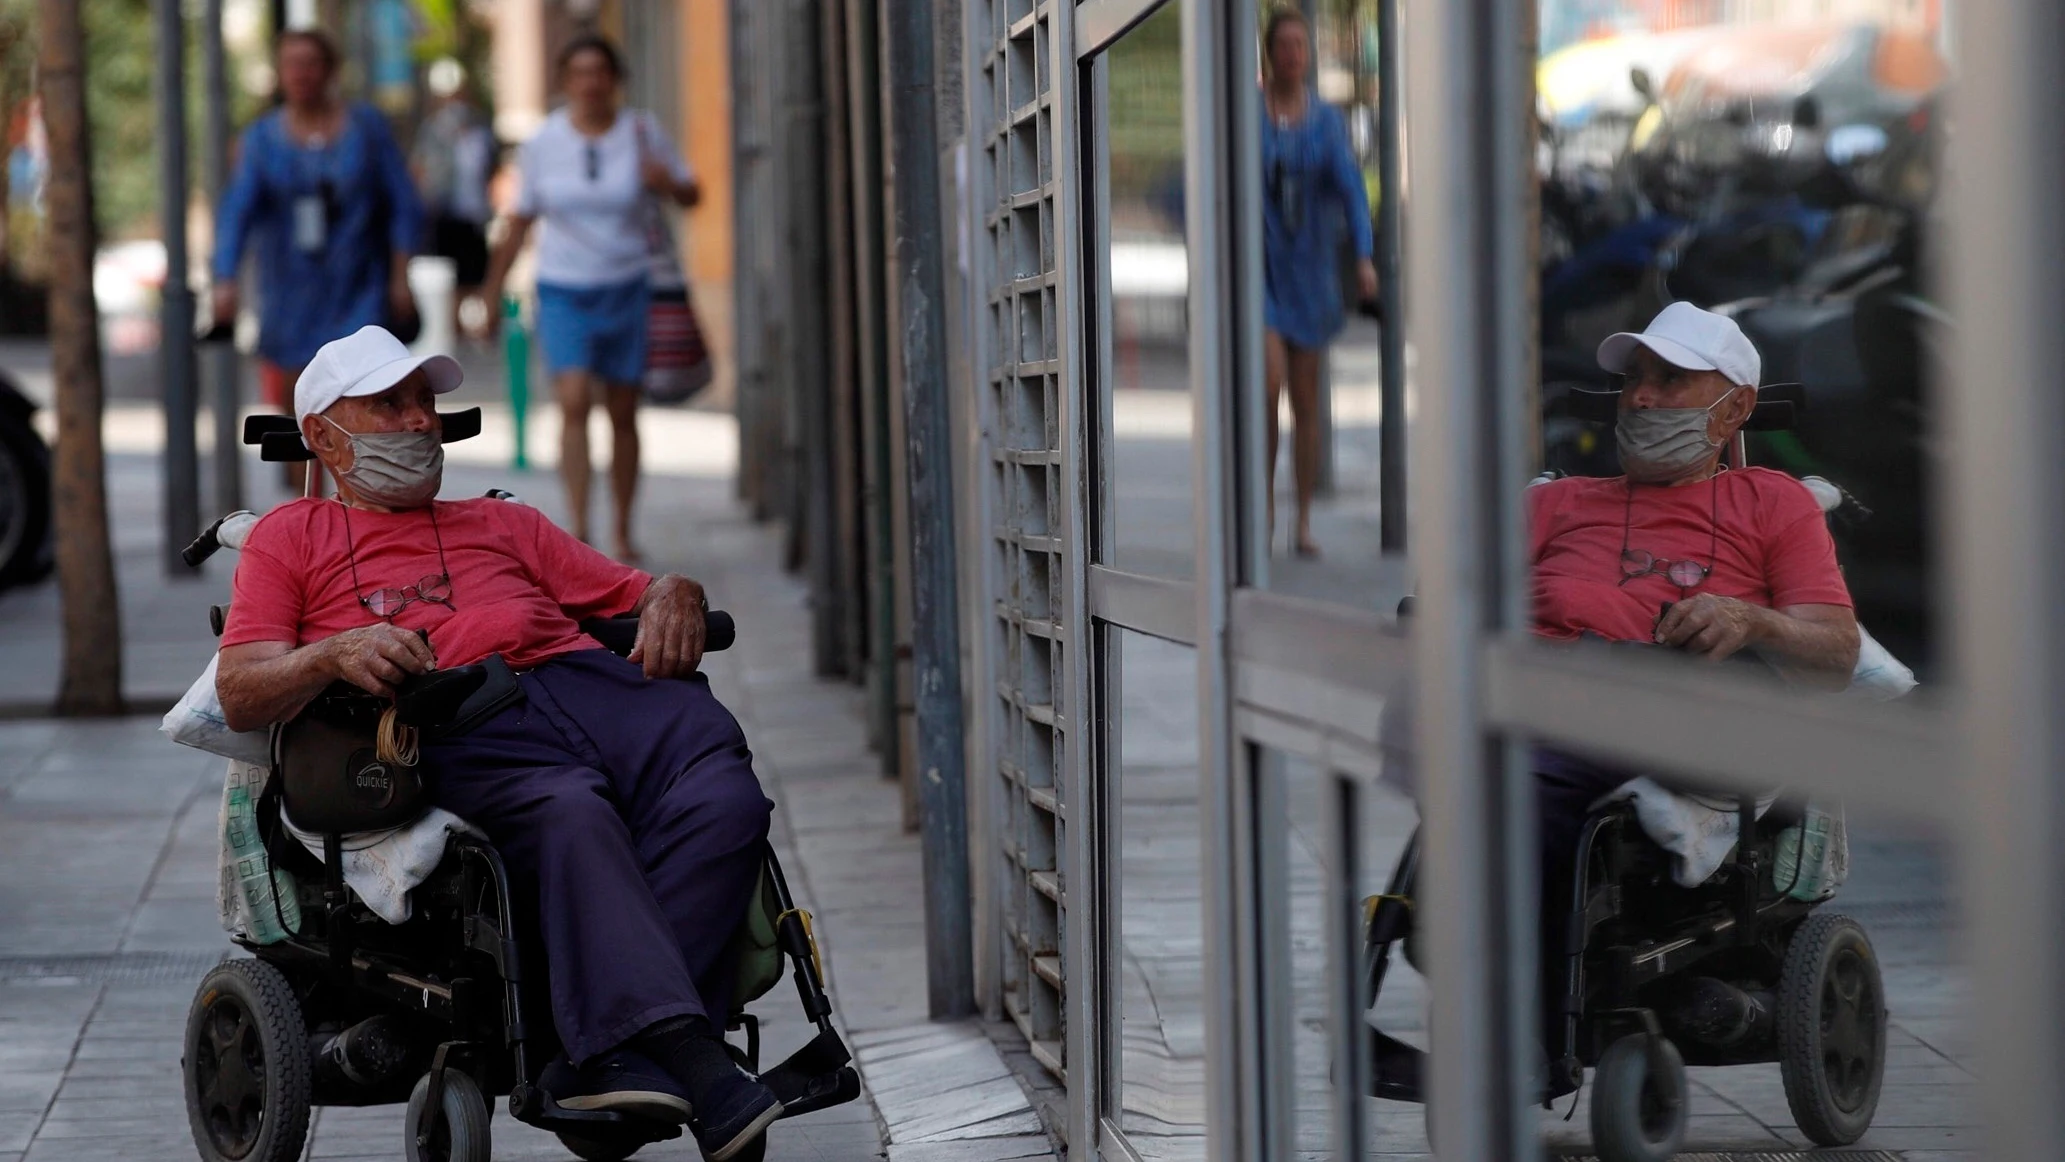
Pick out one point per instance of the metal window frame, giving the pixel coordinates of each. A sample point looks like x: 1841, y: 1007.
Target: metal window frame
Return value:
x: 1100, y: 23
x: 2004, y: 545
x: 1114, y: 600
x: 1084, y: 838
x: 1221, y: 189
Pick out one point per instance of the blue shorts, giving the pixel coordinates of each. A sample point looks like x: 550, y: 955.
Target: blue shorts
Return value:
x: 597, y: 329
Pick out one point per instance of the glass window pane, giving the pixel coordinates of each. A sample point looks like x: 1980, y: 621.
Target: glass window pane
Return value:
x: 1147, y: 404
x: 1757, y: 198
x: 1342, y: 840
x: 1160, y: 966
x: 1321, y: 405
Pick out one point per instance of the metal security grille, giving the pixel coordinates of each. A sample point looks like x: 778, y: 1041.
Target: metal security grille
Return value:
x: 1013, y: 136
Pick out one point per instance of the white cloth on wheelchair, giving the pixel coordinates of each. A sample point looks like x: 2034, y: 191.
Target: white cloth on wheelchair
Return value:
x: 1698, y: 831
x: 383, y: 867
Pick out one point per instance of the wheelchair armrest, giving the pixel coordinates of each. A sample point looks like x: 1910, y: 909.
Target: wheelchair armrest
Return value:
x: 421, y: 700
x: 619, y: 634
x: 433, y: 699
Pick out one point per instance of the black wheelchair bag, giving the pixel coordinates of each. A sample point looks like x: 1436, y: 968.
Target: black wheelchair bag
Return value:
x: 326, y: 760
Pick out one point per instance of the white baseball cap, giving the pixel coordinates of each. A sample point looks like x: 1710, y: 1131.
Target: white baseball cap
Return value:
x: 366, y: 363
x: 1686, y: 336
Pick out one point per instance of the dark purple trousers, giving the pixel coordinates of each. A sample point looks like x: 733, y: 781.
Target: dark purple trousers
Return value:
x: 632, y: 824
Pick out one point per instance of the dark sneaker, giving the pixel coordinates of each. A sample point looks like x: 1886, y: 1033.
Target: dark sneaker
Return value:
x: 623, y: 1081
x: 735, y: 1110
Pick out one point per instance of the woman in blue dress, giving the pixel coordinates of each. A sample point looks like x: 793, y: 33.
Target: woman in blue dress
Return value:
x: 323, y: 193
x: 1310, y: 183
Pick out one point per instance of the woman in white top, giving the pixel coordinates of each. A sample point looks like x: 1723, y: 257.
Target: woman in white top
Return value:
x: 591, y: 174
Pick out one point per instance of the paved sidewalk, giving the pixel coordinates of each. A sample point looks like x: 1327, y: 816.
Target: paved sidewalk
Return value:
x: 107, y: 865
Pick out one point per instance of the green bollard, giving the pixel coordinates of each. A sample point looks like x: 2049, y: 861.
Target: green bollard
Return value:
x: 516, y: 358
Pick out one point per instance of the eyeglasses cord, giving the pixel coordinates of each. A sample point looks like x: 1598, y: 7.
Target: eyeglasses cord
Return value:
x: 351, y: 555
x: 1627, y: 519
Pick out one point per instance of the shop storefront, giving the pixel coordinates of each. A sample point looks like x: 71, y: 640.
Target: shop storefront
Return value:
x: 1194, y: 718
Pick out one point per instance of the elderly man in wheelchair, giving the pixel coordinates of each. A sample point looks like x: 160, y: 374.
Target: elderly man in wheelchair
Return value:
x: 1640, y: 958
x: 617, y: 791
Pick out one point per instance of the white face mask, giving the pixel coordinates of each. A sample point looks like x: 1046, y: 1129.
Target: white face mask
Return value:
x: 395, y: 469
x: 1661, y: 444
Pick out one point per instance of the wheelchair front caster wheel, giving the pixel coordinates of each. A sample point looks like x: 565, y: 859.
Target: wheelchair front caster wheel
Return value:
x: 1831, y: 1029
x: 1638, y: 1101
x: 460, y: 1131
x: 246, y: 1065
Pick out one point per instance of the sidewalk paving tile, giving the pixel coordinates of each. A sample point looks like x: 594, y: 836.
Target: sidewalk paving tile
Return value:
x: 991, y: 1150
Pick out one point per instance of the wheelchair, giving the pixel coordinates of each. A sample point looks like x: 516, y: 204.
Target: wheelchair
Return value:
x: 1637, y: 961
x: 349, y: 1010
x: 1620, y: 1004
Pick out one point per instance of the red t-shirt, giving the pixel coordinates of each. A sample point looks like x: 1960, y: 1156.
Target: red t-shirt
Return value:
x: 519, y: 586
x: 1768, y: 541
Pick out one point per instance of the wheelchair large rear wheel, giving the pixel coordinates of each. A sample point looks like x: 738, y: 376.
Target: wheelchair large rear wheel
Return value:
x: 1638, y: 1101
x: 460, y: 1133
x: 246, y: 1066
x: 1831, y: 1029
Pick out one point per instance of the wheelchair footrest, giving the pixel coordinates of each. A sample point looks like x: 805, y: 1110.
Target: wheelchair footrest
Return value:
x: 817, y: 1076
x: 821, y: 1054
x: 804, y: 1094
x: 535, y: 1107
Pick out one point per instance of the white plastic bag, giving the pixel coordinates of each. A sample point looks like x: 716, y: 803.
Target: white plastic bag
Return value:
x: 198, y: 722
x: 1879, y: 676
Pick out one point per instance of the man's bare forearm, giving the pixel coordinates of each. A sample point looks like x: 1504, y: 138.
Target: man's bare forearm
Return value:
x: 256, y: 693
x: 1823, y: 652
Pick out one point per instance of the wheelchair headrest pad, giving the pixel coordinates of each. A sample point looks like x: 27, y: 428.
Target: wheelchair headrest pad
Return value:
x: 1778, y: 406
x: 279, y: 437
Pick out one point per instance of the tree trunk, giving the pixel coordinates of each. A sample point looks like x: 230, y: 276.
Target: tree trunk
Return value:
x: 92, y: 679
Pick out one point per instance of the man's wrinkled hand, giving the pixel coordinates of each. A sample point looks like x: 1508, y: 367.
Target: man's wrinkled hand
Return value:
x: 1710, y: 626
x: 375, y: 658
x: 671, y: 629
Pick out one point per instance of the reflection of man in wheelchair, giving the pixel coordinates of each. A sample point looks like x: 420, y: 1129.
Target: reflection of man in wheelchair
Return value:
x: 618, y: 790
x: 1683, y: 552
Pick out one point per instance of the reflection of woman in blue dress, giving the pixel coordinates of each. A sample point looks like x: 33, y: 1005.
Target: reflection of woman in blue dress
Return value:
x: 1310, y: 181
